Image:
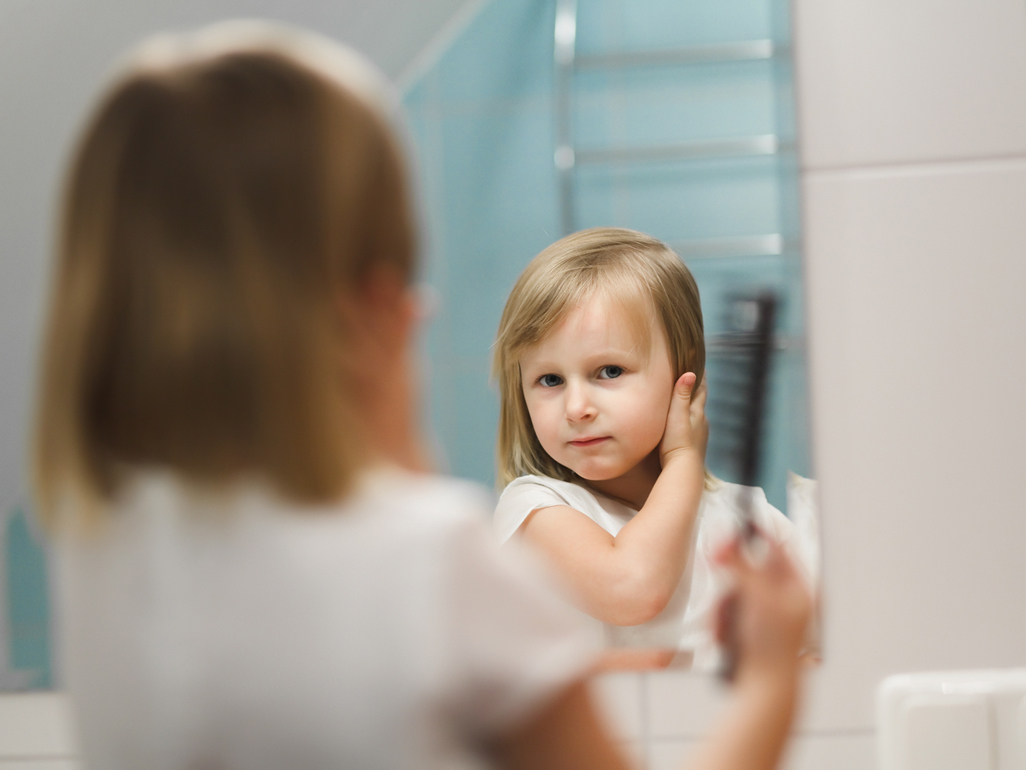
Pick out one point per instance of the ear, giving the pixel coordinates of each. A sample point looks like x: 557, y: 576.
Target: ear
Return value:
x: 383, y: 307
x: 380, y: 317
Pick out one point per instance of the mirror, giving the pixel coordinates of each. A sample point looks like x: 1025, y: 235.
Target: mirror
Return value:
x: 672, y: 118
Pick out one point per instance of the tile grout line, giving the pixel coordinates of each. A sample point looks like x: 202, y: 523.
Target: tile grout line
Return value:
x: 928, y: 164
x: 646, y: 754
x: 840, y: 733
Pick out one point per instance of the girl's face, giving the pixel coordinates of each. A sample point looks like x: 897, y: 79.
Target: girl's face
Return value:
x: 598, y: 393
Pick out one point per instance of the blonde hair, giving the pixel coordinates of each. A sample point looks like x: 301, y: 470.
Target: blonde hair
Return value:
x: 228, y: 190
x: 637, y: 271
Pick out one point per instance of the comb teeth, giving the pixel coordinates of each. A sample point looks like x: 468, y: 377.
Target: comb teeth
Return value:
x: 737, y: 396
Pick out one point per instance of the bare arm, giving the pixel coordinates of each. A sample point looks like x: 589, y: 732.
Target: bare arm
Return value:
x: 568, y: 734
x: 774, y: 608
x: 629, y: 578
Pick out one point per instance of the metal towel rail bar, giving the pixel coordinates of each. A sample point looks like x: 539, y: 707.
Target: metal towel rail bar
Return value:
x: 567, y: 156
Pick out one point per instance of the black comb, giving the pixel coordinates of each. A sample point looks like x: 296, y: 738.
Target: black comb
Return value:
x: 745, y: 354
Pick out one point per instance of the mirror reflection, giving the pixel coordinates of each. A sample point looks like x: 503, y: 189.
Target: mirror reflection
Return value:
x: 663, y: 131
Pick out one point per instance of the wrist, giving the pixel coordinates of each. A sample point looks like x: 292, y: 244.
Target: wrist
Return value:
x: 684, y: 457
x: 781, y: 679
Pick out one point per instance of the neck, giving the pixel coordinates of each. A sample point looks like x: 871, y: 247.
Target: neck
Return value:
x: 632, y: 488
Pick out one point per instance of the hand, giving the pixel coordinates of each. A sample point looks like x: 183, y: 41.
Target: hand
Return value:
x: 687, y: 428
x: 771, y: 608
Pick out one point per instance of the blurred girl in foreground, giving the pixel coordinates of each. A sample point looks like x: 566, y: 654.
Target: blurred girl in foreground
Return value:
x: 256, y: 571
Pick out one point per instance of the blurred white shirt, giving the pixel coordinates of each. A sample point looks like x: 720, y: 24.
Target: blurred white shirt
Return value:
x: 212, y: 631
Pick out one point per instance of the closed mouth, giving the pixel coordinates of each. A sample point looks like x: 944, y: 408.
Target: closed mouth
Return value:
x: 589, y: 441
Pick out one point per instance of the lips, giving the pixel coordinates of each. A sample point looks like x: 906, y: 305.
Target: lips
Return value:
x: 586, y: 442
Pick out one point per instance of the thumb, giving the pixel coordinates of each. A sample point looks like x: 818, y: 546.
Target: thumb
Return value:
x: 684, y: 385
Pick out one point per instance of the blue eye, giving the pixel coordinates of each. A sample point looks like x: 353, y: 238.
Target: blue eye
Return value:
x: 550, y: 380
x: 610, y: 372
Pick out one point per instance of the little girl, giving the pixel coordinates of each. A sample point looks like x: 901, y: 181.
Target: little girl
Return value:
x: 602, y: 435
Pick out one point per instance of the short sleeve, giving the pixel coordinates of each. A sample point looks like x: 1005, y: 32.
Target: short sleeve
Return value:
x: 803, y: 511
x: 518, y: 501
x: 515, y: 643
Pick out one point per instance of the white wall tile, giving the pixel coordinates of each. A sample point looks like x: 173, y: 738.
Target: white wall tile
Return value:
x: 916, y: 281
x: 670, y: 754
x: 884, y: 81
x: 681, y: 704
x: 804, y: 752
x: 619, y: 697
x: 831, y: 752
x: 36, y: 725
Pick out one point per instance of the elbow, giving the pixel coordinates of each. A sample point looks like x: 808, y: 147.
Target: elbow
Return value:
x: 637, y: 602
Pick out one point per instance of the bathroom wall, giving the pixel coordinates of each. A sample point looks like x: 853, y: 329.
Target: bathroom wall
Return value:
x: 912, y: 129
x: 913, y: 165
x: 912, y: 122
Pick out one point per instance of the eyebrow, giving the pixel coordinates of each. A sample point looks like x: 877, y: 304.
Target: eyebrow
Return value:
x: 633, y: 351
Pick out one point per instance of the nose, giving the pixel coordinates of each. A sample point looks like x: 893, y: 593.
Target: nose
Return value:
x: 578, y: 406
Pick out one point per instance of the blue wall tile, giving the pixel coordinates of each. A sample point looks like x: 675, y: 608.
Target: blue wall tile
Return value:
x: 678, y: 201
x: 505, y: 52
x: 670, y: 104
x: 648, y: 24
x: 27, y: 602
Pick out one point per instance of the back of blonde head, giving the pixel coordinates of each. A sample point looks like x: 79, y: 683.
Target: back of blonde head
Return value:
x: 634, y: 269
x: 230, y: 187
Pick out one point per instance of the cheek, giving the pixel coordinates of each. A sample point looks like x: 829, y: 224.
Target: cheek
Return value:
x: 650, y: 418
x: 547, y: 432
x: 540, y: 419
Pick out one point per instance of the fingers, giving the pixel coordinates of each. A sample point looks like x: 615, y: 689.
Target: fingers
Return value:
x: 771, y: 558
x: 680, y: 433
x: 778, y: 563
x: 699, y: 422
x: 699, y: 396
x: 728, y: 553
x: 726, y: 613
x: 684, y: 395
x: 761, y: 622
x: 684, y: 385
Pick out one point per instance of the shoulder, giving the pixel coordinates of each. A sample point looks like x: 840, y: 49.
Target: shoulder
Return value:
x: 389, y: 510
x: 526, y: 494
x: 421, y: 499
x: 538, y: 486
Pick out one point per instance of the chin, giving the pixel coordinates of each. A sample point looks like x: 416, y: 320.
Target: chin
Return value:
x: 598, y: 474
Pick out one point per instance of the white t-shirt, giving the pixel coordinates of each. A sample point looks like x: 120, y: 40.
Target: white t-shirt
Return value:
x: 240, y: 630
x: 686, y: 623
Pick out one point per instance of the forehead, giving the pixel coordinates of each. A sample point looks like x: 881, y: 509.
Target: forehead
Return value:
x: 603, y: 321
